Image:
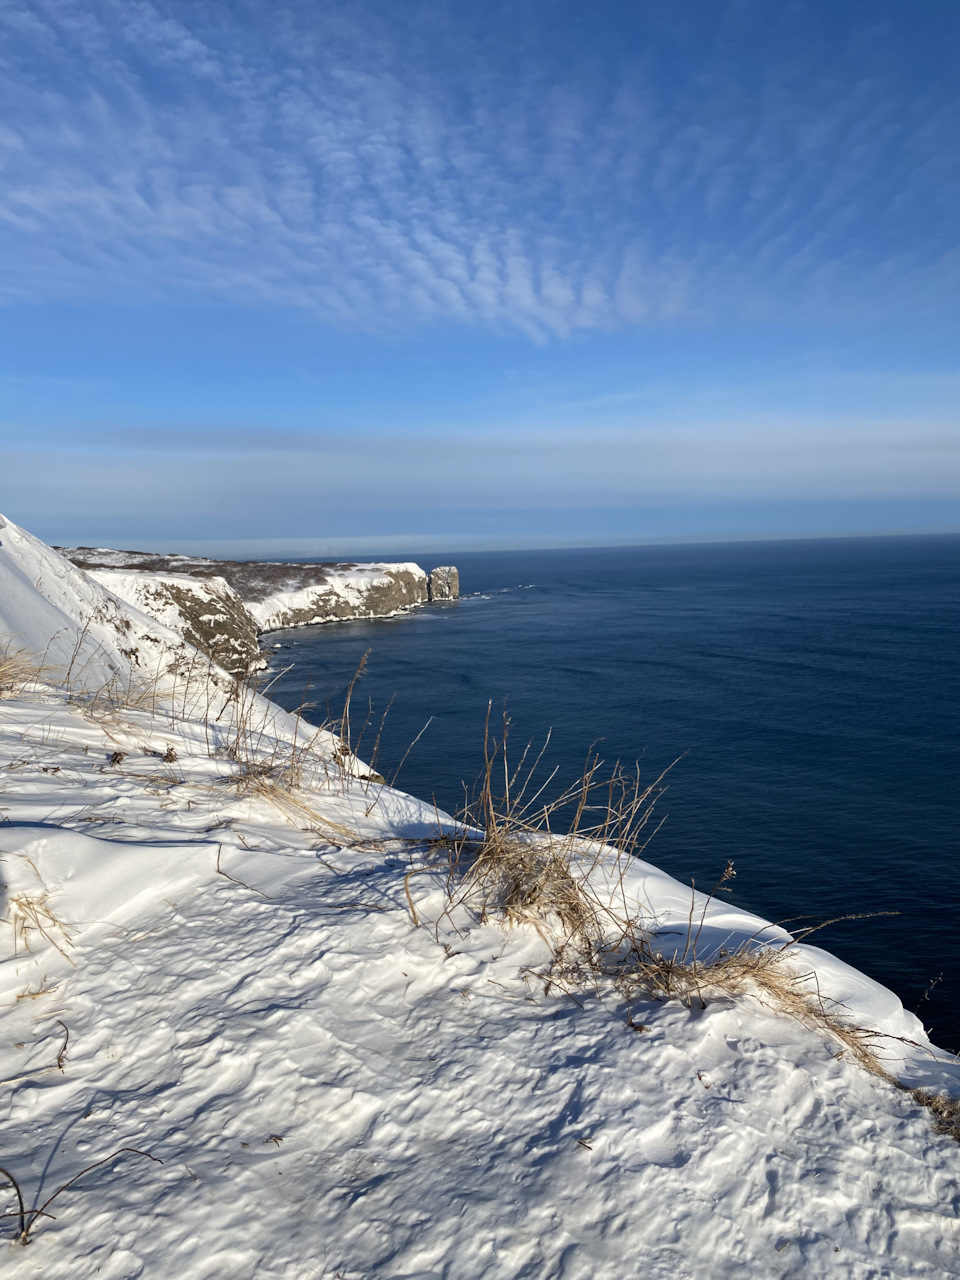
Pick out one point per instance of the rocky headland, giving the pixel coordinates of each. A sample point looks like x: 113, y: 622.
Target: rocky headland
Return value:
x: 221, y: 607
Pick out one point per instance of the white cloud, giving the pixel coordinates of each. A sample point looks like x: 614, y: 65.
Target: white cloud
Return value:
x: 303, y: 156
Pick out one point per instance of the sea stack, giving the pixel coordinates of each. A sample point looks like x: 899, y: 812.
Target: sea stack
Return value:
x: 444, y: 583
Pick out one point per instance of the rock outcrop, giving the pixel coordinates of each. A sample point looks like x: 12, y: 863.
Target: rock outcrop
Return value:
x: 222, y: 606
x: 207, y: 612
x: 444, y: 583
x: 297, y: 595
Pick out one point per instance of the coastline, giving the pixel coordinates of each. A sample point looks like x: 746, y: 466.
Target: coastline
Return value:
x: 267, y: 986
x: 223, y: 607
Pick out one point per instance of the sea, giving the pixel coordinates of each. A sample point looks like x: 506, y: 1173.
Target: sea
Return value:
x: 803, y: 696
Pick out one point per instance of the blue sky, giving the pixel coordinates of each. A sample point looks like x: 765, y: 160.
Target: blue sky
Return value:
x: 372, y: 275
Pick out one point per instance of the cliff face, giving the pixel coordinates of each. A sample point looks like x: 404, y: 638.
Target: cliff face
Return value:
x: 221, y: 606
x: 299, y: 595
x: 207, y: 612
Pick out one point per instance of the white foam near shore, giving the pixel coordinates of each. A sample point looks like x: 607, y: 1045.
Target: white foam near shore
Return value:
x: 336, y: 1090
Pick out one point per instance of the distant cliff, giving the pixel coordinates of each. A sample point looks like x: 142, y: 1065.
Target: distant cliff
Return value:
x: 222, y: 606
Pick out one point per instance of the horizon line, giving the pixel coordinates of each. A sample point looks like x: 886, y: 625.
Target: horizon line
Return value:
x: 431, y: 544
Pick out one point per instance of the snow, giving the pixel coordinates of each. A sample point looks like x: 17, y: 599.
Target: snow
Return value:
x: 145, y: 592
x: 49, y: 606
x: 351, y: 586
x: 337, y: 1091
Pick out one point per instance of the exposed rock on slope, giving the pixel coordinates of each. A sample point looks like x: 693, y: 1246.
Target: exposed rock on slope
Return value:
x: 207, y: 612
x: 220, y: 606
x: 301, y: 594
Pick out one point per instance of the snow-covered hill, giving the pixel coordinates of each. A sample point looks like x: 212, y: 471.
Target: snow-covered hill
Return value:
x: 223, y: 948
x: 78, y: 628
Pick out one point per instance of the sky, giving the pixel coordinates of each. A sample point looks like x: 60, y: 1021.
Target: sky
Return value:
x: 314, y: 276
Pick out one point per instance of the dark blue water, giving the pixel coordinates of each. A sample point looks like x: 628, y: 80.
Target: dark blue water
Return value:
x: 812, y: 688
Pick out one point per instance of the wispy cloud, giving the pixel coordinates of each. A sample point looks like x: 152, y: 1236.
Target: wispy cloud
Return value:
x: 390, y: 166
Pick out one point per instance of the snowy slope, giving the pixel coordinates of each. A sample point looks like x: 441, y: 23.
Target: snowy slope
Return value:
x: 82, y: 630
x: 337, y: 1091
x: 90, y: 641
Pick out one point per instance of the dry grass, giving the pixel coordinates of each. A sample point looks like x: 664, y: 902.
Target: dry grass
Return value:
x: 20, y: 670
x: 279, y: 767
x: 247, y: 733
x: 107, y: 702
x: 514, y: 860
x: 527, y: 855
x: 753, y: 971
x: 30, y: 913
x: 944, y: 1110
x: 299, y: 811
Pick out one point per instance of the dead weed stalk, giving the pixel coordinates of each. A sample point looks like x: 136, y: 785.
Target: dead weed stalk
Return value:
x: 28, y: 1218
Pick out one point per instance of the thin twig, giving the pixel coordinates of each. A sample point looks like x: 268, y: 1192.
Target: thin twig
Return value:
x: 243, y: 884
x: 27, y: 1217
x: 61, y: 1056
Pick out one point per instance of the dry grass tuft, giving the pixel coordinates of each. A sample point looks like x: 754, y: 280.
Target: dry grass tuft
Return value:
x: 30, y: 913
x: 754, y: 970
x: 19, y: 670
x: 944, y: 1110
x: 560, y: 865
x: 247, y: 733
x: 527, y: 858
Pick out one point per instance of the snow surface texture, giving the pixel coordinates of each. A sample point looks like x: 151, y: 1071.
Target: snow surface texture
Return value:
x: 335, y: 1091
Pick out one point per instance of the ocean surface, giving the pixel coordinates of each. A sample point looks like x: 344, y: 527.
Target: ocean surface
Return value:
x: 809, y: 692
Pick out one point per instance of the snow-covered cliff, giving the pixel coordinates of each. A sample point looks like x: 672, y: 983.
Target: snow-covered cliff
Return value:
x: 206, y: 612
x: 223, y: 949
x: 221, y: 606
